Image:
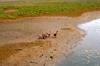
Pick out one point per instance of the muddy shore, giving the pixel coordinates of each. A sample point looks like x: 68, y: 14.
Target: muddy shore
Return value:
x: 49, y: 51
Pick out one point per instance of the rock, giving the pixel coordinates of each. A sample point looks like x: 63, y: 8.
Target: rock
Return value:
x: 51, y: 57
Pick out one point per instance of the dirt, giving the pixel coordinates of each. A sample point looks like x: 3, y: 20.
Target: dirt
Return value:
x: 10, y: 11
x: 51, y: 50
x: 48, y: 53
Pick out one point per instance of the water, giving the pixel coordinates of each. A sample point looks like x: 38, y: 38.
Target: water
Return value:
x: 88, y: 52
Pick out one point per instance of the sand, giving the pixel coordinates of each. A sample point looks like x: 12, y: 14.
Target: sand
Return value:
x: 51, y: 50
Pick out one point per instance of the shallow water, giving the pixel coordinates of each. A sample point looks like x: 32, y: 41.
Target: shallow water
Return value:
x: 88, y: 52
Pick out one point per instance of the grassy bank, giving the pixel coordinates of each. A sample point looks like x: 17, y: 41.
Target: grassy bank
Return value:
x: 22, y: 9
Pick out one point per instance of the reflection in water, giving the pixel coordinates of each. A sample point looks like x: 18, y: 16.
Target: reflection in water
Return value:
x: 88, y: 52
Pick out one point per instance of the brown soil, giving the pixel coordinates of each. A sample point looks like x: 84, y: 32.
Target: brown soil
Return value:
x: 41, y: 54
x: 35, y: 52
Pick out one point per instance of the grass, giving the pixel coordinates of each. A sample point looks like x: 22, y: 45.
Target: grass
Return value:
x: 45, y: 8
x: 10, y: 49
x: 73, y: 8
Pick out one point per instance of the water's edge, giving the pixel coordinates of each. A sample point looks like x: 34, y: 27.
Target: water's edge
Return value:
x: 88, y: 52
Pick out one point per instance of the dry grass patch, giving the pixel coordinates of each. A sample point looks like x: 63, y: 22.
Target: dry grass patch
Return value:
x: 10, y: 11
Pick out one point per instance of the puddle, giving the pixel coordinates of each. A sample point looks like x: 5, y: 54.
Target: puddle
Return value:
x: 88, y: 52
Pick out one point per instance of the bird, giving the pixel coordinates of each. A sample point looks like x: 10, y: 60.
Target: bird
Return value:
x: 55, y: 34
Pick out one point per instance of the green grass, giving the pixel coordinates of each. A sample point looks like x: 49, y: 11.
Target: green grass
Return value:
x: 36, y: 9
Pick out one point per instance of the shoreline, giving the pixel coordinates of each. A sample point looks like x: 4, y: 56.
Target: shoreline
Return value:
x: 51, y: 50
x: 49, y: 53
